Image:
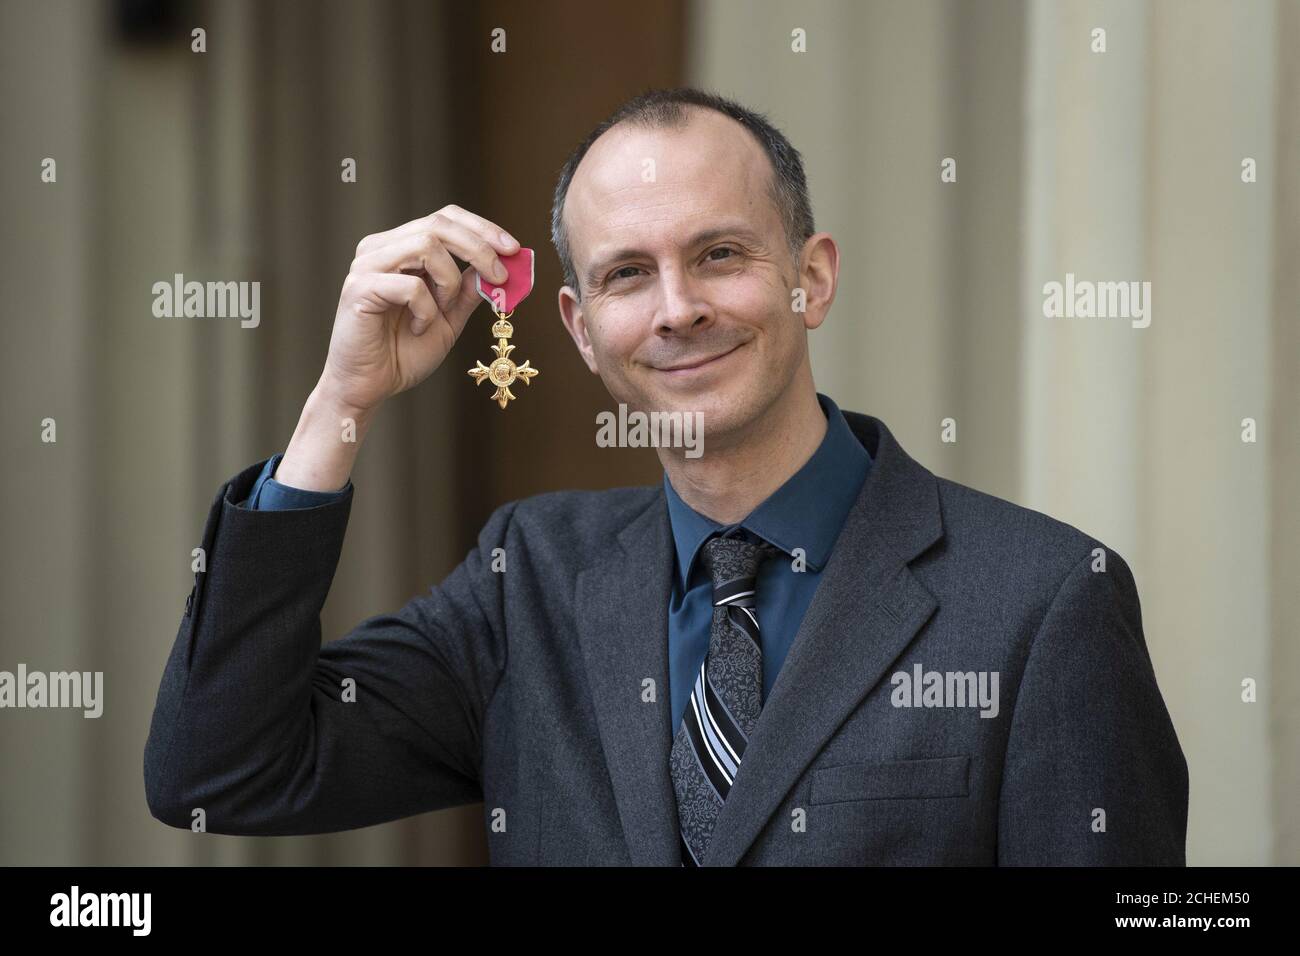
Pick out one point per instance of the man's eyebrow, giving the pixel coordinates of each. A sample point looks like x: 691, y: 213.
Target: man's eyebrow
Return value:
x: 597, y: 271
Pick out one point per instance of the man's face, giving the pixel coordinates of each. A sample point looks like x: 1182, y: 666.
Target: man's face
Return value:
x: 686, y: 272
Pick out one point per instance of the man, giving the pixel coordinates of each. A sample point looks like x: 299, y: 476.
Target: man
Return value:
x: 801, y: 648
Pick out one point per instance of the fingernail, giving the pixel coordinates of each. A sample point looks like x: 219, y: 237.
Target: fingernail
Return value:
x: 508, y: 239
x: 500, y: 273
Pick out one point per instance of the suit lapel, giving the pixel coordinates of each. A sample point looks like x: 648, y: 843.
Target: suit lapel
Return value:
x: 867, y: 608
x: 622, y: 612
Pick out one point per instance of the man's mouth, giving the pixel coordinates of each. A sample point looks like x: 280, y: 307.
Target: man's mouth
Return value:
x: 693, y: 365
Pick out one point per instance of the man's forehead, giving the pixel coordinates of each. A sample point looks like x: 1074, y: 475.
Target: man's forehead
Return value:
x: 635, y: 177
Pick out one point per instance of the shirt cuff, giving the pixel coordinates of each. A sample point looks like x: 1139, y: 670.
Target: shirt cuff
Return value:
x: 270, y: 495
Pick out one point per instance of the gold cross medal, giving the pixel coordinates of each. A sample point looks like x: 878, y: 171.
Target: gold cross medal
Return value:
x: 504, y: 299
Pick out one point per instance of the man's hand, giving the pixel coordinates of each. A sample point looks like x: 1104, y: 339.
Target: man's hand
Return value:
x: 404, y: 303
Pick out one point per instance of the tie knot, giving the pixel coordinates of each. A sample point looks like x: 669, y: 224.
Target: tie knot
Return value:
x: 733, y: 565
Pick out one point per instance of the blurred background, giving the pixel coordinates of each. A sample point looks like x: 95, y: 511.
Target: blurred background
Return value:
x: 225, y: 165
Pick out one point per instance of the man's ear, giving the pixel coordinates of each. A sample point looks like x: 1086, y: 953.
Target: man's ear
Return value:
x: 820, y: 269
x: 574, y: 320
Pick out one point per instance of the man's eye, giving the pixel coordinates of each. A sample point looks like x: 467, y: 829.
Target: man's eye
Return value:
x: 618, y: 273
x: 721, y: 249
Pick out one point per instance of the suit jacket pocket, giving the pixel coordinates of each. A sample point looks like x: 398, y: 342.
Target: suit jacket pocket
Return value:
x: 892, y: 780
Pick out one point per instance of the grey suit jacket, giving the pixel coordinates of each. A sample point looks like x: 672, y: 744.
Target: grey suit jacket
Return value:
x: 542, y: 690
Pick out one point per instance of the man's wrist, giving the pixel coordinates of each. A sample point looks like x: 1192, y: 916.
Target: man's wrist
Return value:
x: 324, y: 446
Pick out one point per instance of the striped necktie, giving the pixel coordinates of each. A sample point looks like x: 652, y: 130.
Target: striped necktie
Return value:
x: 727, y: 695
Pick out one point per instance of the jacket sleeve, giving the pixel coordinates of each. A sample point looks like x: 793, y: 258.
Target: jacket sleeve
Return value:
x: 268, y: 732
x: 1091, y: 742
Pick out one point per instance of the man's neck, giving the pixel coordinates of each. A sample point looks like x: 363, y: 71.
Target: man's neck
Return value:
x: 730, y: 482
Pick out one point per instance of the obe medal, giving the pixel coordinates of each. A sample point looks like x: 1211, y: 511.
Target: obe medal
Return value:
x: 503, y: 299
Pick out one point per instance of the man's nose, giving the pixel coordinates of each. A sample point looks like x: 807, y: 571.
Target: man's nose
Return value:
x: 682, y: 306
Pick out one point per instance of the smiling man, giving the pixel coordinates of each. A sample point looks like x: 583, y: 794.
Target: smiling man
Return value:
x: 692, y: 246
x: 801, y: 648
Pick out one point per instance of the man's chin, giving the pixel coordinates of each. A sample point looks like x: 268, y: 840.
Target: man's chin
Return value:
x: 712, y: 399
x: 722, y: 409
x: 724, y: 403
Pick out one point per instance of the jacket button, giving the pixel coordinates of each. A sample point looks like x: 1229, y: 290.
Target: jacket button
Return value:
x: 189, y: 602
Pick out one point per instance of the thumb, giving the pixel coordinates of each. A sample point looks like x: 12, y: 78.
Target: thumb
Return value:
x: 465, y: 301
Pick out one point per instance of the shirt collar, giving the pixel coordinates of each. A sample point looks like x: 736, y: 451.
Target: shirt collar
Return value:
x: 806, y: 512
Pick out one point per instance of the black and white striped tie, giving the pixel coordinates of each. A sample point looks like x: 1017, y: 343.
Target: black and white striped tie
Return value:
x: 727, y: 696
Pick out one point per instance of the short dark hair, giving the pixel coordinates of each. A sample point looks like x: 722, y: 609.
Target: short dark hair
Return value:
x: 660, y: 108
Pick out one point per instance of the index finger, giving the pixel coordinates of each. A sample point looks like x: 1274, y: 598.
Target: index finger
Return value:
x: 490, y: 232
